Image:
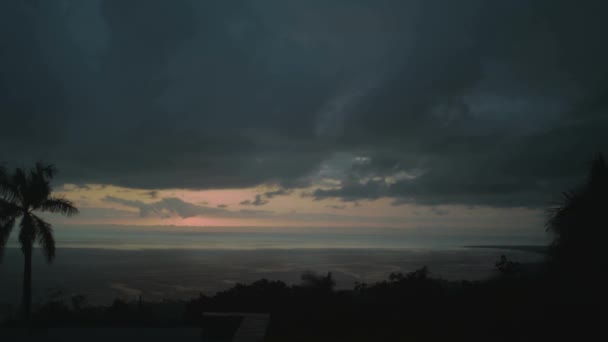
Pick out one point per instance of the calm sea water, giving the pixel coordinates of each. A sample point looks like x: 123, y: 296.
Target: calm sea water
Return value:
x: 109, y: 263
x: 134, y: 238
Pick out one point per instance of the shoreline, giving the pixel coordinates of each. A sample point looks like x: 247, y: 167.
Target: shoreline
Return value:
x: 523, y: 248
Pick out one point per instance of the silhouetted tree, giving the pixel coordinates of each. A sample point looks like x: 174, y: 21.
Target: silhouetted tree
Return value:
x: 420, y: 274
x: 78, y: 302
x: 21, y: 194
x: 316, y: 281
x: 579, y: 221
x: 507, y: 267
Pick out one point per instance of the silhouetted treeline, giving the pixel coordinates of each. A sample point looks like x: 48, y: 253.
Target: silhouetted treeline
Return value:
x: 516, y: 305
x: 580, y: 225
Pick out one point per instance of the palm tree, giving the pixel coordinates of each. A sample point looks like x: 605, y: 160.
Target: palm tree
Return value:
x: 579, y: 222
x: 21, y: 195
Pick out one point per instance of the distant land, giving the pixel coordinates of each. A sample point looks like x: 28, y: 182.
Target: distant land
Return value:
x: 525, y: 248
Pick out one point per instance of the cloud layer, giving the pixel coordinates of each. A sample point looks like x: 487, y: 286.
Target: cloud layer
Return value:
x: 429, y: 102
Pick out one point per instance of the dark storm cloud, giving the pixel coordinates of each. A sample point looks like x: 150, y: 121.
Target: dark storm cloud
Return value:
x: 263, y: 199
x: 278, y: 192
x: 257, y: 201
x: 469, y: 102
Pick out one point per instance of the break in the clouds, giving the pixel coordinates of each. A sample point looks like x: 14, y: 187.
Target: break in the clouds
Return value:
x: 428, y: 102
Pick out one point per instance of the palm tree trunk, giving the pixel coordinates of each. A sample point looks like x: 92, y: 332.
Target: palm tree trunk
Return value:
x: 27, y: 283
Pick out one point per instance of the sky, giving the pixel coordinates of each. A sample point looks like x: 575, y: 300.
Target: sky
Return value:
x: 282, y: 113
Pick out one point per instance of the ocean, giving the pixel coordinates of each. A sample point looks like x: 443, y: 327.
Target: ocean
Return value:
x: 104, y: 264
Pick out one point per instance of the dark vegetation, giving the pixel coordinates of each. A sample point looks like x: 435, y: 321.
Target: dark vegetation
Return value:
x: 562, y: 300
x: 413, y: 306
x: 22, y: 194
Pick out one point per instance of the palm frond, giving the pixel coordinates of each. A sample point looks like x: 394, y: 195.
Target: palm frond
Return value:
x: 9, y: 209
x: 45, y: 170
x: 19, y: 177
x: 8, y: 188
x: 6, y: 227
x: 17, y: 185
x: 38, y: 184
x: 44, y: 235
x: 3, y: 179
x: 58, y: 205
